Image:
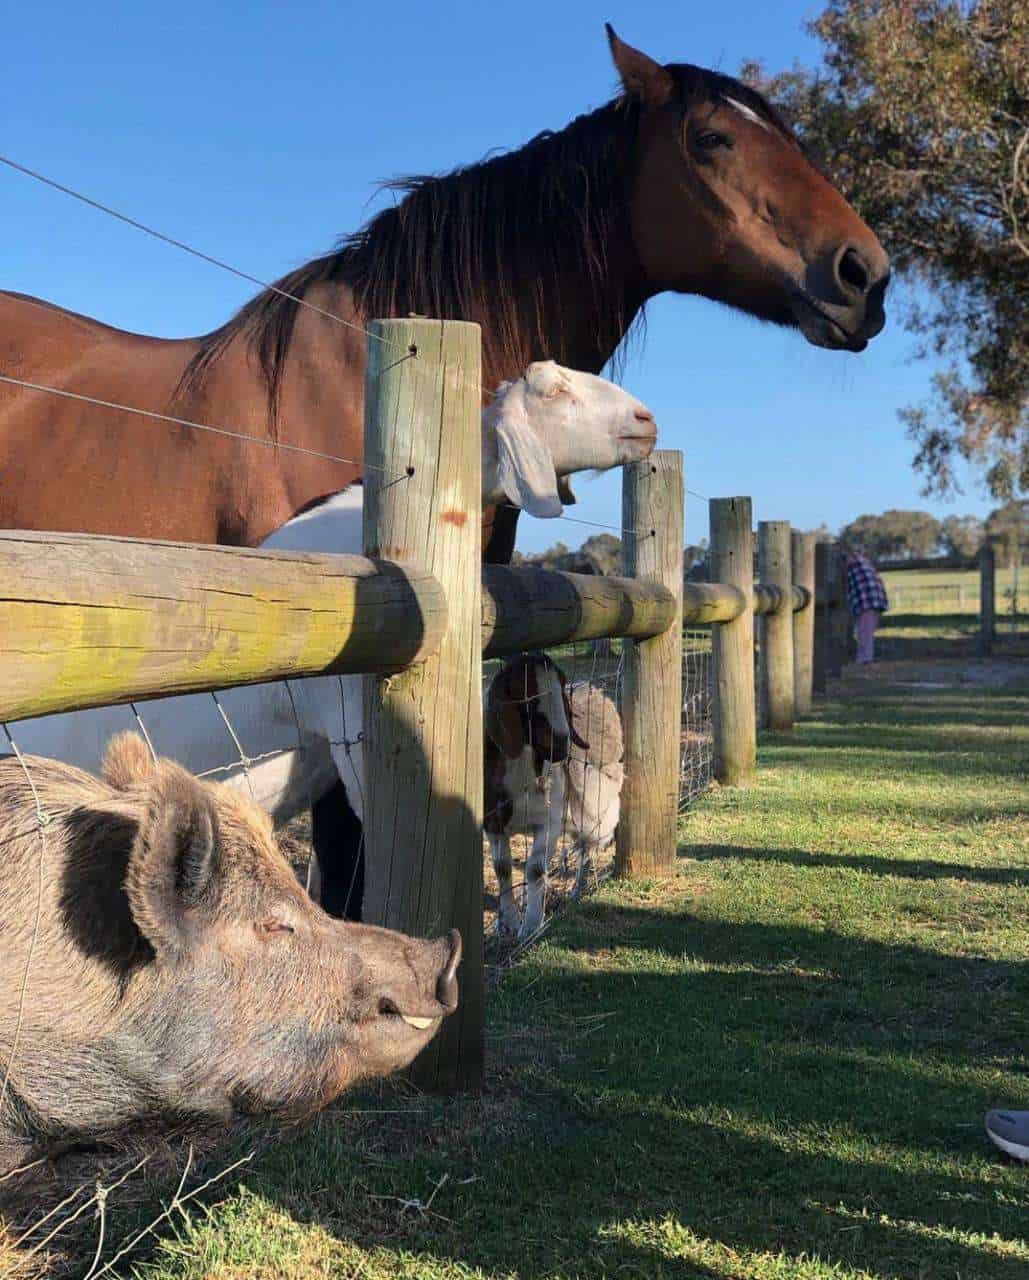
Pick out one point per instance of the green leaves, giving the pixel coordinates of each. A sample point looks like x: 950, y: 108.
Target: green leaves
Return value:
x: 921, y: 116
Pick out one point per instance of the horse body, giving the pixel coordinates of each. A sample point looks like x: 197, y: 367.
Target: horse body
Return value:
x: 70, y: 465
x: 687, y: 182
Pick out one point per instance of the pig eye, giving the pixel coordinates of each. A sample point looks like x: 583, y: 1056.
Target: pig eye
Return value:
x: 270, y: 928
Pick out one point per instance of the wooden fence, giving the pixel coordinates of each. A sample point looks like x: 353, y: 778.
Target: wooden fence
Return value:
x: 89, y: 621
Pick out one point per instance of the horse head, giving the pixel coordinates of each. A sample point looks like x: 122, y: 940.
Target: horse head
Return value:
x: 767, y: 232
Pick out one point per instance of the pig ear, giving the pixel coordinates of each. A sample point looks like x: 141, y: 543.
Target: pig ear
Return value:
x: 173, y: 864
x: 127, y: 761
x: 525, y: 464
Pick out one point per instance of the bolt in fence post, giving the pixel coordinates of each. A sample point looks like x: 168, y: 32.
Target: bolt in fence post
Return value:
x: 802, y: 554
x: 653, y: 508
x: 733, y: 714
x: 423, y: 728
x: 987, y: 598
x: 820, y: 665
x: 774, y: 570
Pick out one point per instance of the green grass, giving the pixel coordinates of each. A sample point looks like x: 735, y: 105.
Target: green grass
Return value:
x: 954, y: 591
x: 775, y: 1065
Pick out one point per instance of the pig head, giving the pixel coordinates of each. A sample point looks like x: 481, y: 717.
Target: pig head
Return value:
x: 177, y: 969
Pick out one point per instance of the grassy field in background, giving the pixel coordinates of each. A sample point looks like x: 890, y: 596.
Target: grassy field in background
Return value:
x: 951, y: 590
x: 775, y: 1065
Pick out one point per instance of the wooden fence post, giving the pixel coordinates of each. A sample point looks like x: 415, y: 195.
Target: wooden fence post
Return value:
x: 653, y: 507
x: 423, y: 727
x: 820, y: 665
x: 838, y: 615
x: 777, y: 628
x: 802, y: 555
x: 732, y: 645
x: 987, y: 598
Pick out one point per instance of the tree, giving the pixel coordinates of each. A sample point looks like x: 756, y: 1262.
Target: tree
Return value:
x: 962, y: 536
x: 921, y: 116
x: 694, y: 553
x: 600, y: 554
x: 604, y: 552
x: 1008, y: 528
x: 894, y: 535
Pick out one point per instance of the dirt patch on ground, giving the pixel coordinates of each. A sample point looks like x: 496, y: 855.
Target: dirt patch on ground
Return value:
x: 933, y: 674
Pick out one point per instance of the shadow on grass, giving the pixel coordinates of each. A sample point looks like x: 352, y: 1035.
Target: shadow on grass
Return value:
x: 911, y: 869
x: 970, y: 735
x: 768, y: 1088
x: 908, y: 636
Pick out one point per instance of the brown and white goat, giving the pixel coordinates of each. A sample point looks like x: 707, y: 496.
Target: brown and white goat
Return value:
x: 542, y: 776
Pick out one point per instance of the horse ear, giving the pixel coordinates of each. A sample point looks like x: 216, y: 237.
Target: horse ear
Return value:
x: 642, y: 77
x: 565, y: 492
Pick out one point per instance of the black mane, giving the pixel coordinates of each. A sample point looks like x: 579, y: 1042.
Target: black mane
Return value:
x: 495, y: 241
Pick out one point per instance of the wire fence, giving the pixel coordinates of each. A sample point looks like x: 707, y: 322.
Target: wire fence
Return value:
x: 265, y: 742
x: 600, y: 665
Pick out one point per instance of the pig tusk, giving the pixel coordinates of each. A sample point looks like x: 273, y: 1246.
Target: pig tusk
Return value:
x: 419, y: 1024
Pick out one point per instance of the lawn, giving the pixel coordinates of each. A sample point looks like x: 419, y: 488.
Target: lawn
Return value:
x: 774, y: 1065
x: 952, y: 590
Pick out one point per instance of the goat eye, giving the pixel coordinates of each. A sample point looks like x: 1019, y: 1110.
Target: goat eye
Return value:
x: 709, y: 140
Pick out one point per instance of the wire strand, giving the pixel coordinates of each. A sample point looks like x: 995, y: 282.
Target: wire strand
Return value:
x: 218, y: 262
x: 186, y: 422
x: 186, y: 248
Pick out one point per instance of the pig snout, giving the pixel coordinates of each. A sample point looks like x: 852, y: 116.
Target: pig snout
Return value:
x: 446, y: 985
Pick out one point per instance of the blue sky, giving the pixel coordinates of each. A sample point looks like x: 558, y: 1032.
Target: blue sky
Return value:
x: 257, y: 132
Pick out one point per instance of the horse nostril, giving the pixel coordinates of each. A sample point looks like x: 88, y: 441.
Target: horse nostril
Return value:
x: 853, y: 272
x: 644, y: 415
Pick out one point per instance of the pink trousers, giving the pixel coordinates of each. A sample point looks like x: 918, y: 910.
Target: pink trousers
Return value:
x: 866, y: 625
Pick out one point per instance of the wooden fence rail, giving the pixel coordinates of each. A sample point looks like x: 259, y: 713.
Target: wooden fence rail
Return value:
x: 89, y: 621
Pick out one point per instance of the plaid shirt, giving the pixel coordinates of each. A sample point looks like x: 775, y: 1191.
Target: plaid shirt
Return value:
x: 865, y: 588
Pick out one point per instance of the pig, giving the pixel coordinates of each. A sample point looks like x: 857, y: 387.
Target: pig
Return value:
x: 160, y: 963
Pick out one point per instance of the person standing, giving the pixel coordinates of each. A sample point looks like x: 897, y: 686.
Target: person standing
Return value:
x: 867, y: 601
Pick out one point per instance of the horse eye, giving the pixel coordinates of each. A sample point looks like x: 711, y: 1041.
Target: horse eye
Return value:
x: 710, y: 141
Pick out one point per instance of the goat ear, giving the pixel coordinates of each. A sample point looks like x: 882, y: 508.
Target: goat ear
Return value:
x: 565, y: 492
x: 173, y: 866
x: 503, y: 725
x: 525, y: 466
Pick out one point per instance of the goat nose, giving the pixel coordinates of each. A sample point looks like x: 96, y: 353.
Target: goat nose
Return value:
x: 446, y: 986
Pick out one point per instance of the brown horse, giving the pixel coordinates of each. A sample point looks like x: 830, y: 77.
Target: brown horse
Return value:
x: 688, y: 181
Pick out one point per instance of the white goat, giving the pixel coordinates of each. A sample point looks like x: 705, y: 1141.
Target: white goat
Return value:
x: 536, y: 430
x: 553, y: 766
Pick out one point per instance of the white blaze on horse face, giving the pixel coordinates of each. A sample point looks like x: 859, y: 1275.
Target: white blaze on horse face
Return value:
x: 748, y: 114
